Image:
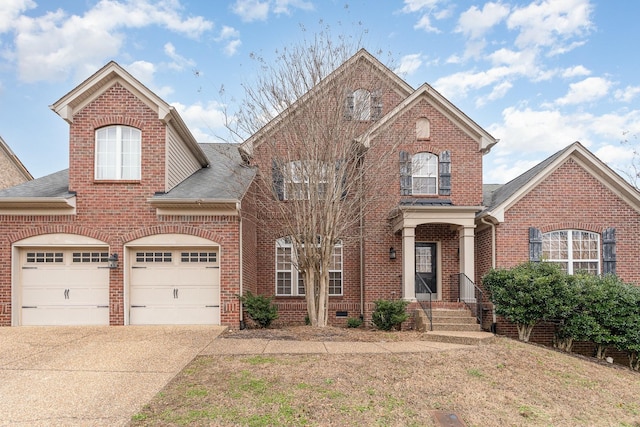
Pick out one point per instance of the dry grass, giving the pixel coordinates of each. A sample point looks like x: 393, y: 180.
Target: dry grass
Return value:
x: 507, y: 383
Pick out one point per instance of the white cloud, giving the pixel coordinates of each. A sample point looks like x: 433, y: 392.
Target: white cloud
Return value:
x: 10, y: 10
x: 206, y: 122
x: 550, y: 22
x: 51, y: 46
x: 428, y: 9
x: 409, y: 64
x: 231, y: 48
x: 411, y: 6
x: 474, y: 23
x: 627, y: 94
x: 284, y: 6
x: 587, y: 90
x: 179, y: 61
x: 145, y: 72
x: 251, y: 10
x: 231, y: 37
x: 527, y: 134
x: 577, y: 71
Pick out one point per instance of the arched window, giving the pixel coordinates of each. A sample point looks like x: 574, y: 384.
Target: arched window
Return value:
x: 290, y: 281
x: 424, y: 173
x: 361, y: 105
x: 117, y: 155
x: 574, y: 250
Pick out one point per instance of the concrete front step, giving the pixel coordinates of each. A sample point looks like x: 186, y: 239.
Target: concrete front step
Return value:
x: 461, y: 320
x: 450, y: 312
x: 455, y: 327
x: 461, y: 337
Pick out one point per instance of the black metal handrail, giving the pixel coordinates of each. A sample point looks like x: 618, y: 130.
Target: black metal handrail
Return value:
x: 470, y: 294
x: 426, y: 304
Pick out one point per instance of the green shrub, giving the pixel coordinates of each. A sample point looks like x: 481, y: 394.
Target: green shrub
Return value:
x: 354, y: 322
x: 389, y: 314
x: 259, y: 308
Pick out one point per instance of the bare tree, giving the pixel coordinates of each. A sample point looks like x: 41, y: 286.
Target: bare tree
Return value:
x: 308, y: 114
x: 633, y: 171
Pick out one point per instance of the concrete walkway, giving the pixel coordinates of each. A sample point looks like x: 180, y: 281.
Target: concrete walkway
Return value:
x: 230, y: 346
x: 90, y: 376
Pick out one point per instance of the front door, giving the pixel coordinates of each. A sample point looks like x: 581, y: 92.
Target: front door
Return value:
x: 426, y: 278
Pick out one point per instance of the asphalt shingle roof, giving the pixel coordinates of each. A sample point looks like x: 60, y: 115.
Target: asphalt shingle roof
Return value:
x: 226, y: 178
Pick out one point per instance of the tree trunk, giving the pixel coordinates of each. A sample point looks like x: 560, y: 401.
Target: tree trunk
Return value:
x: 524, y: 332
x: 601, y: 351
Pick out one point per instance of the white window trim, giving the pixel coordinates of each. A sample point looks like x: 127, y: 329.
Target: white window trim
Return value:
x: 118, y: 155
x: 295, y: 176
x: 570, y: 260
x: 415, y: 159
x: 295, y: 274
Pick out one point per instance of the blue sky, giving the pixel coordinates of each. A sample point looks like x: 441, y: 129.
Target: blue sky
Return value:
x: 538, y: 75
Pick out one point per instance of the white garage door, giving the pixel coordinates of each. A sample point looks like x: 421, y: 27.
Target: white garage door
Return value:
x: 64, y: 286
x: 174, y: 286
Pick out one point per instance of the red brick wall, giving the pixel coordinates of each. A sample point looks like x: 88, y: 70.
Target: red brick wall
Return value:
x: 118, y: 212
x: 571, y: 198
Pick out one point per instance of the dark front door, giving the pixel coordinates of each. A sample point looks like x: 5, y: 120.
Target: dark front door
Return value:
x: 426, y: 278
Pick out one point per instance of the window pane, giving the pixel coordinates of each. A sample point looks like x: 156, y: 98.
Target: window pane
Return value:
x: 118, y: 153
x: 335, y: 283
x: 424, y: 167
x: 283, y: 283
x: 575, y: 250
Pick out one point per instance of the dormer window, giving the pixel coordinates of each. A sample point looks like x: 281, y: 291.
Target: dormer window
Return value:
x: 118, y: 153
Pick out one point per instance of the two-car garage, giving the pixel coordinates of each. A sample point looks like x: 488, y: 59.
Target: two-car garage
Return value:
x: 177, y: 282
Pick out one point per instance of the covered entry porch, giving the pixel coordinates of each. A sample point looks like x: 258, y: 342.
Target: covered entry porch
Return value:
x: 438, y: 242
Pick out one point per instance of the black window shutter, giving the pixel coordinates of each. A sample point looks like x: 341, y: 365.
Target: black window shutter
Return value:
x: 340, y: 167
x: 405, y: 174
x: 278, y: 179
x: 535, y: 244
x: 376, y: 104
x: 348, y: 105
x: 609, y: 251
x: 444, y: 164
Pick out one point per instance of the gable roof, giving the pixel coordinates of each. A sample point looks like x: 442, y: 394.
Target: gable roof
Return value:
x: 499, y: 198
x: 9, y: 154
x: 445, y: 107
x: 402, y: 87
x: 94, y: 86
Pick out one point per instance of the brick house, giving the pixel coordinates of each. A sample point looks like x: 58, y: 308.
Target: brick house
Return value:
x: 12, y: 171
x: 181, y: 216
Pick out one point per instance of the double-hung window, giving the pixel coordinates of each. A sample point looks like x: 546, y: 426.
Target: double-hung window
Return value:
x: 290, y: 281
x: 303, y: 178
x: 117, y: 155
x: 574, y: 250
x: 424, y: 169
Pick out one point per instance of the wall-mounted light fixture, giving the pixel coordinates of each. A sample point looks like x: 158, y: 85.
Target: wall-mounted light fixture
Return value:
x: 112, y: 261
x: 392, y: 253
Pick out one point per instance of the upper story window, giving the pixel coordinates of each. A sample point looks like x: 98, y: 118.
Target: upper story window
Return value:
x: 118, y: 153
x: 304, y: 179
x: 574, y: 250
x: 290, y: 281
x: 425, y: 174
x: 363, y: 105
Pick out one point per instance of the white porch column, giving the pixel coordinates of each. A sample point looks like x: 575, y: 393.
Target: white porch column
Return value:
x: 409, y: 263
x: 467, y: 262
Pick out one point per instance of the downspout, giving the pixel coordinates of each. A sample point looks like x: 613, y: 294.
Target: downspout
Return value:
x: 493, y: 264
x: 240, y: 240
x: 361, y: 237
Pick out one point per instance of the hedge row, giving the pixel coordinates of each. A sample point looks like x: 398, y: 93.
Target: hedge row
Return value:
x: 599, y: 309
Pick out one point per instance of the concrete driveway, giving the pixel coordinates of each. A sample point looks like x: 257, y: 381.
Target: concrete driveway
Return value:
x: 90, y: 376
